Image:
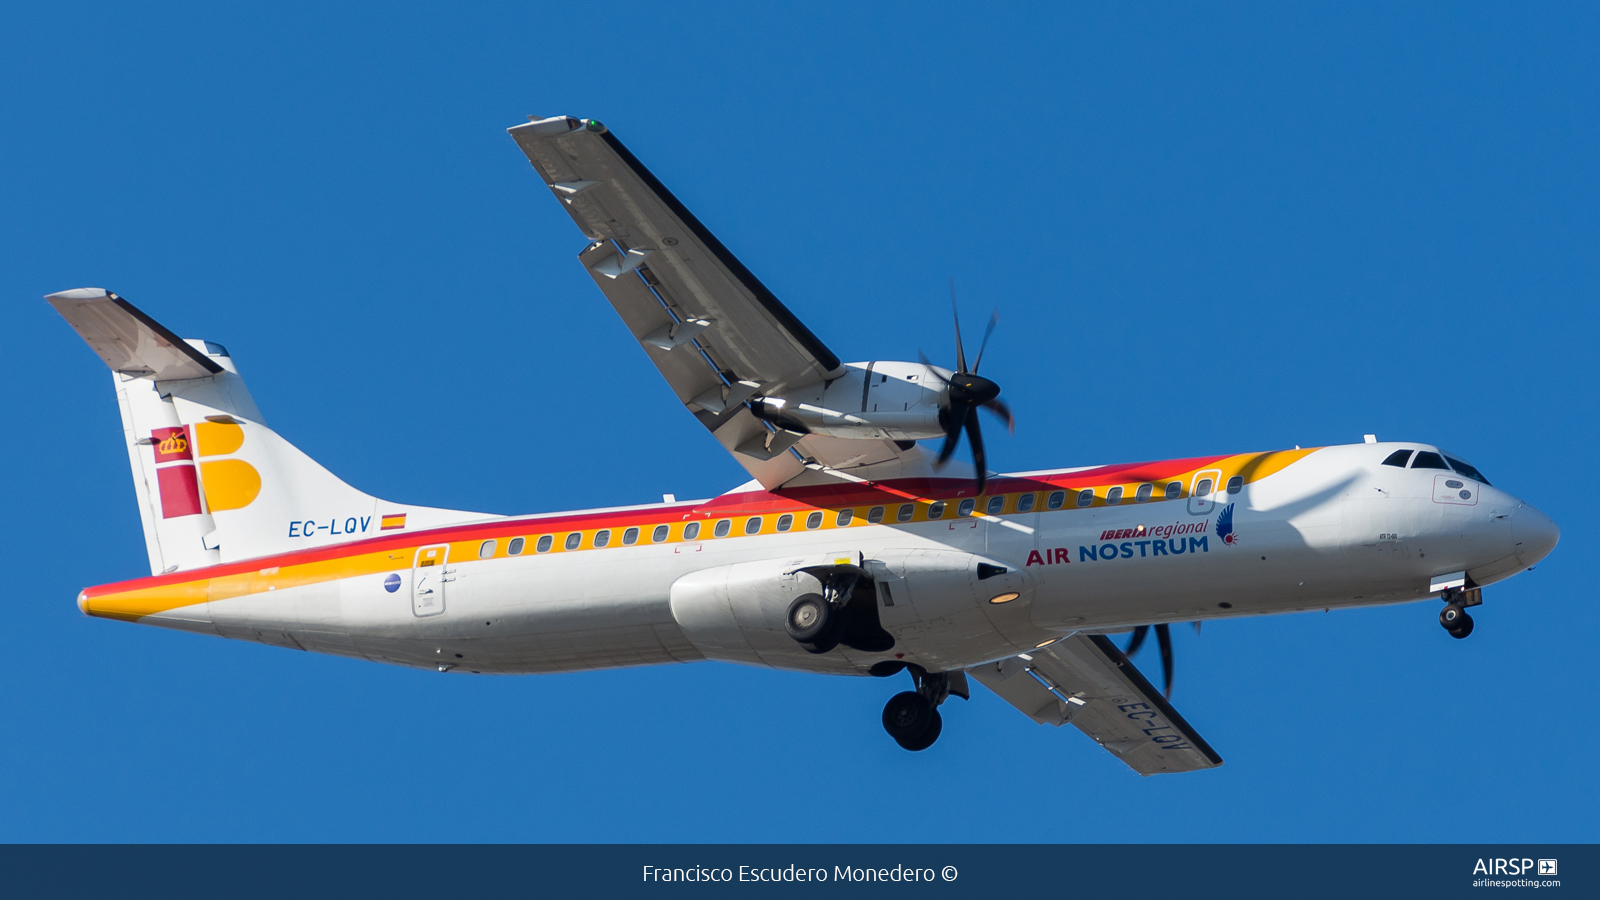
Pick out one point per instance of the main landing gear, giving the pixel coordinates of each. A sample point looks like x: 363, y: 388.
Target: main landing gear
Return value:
x: 912, y: 717
x: 1454, y: 616
x: 846, y: 612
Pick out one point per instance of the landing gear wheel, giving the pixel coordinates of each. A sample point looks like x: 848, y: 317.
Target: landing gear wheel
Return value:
x: 1463, y: 629
x: 907, y: 717
x: 1450, y: 617
x: 928, y: 736
x: 811, y: 620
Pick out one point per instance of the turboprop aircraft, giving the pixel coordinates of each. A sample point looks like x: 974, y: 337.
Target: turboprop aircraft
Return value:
x: 851, y: 551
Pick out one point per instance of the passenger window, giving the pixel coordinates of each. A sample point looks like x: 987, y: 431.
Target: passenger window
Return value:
x: 515, y: 547
x: 814, y: 520
x: 1143, y: 493
x: 1086, y: 497
x: 722, y: 528
x: 1235, y: 484
x: 1466, y: 469
x: 1057, y: 499
x: 486, y: 549
x: 660, y: 534
x: 1025, y: 502
x: 845, y: 515
x: 785, y: 522
x: 691, y: 531
x: 965, y: 507
x: 936, y: 509
x: 906, y: 511
x: 1398, y: 458
x: 1203, y: 489
x: 875, y: 515
x: 1114, y: 496
x: 546, y: 541
x: 1174, y: 490
x: 574, y: 539
x: 630, y: 537
x: 602, y: 537
x: 1427, y: 459
x: 752, y: 525
x: 996, y: 504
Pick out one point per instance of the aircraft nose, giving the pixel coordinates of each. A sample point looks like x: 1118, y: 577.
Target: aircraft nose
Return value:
x: 1535, y: 534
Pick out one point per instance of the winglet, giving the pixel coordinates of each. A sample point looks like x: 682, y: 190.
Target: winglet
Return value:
x: 128, y: 340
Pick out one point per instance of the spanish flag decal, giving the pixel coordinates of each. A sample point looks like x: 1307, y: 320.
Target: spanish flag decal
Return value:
x: 392, y: 521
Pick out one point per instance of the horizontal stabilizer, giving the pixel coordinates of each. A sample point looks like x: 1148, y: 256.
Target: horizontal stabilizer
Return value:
x: 129, y: 341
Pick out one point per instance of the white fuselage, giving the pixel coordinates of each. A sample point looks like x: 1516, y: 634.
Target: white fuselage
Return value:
x: 1335, y: 529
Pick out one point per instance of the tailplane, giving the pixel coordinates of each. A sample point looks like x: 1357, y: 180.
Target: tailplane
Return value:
x: 214, y: 483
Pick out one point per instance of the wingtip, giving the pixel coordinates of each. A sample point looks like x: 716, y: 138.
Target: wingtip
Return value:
x: 83, y: 293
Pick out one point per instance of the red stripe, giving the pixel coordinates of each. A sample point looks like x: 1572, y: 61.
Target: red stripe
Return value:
x: 748, y: 503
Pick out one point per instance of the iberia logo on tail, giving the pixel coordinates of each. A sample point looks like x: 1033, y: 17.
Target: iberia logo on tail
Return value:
x: 228, y: 483
x: 171, y: 444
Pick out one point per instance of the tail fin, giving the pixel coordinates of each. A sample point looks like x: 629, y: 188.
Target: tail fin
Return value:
x: 214, y: 483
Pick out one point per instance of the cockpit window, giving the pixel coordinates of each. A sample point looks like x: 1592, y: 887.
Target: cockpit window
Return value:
x: 1427, y: 459
x: 1399, y: 458
x: 1467, y: 469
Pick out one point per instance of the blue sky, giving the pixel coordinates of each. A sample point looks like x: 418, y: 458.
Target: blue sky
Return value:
x: 1208, y: 229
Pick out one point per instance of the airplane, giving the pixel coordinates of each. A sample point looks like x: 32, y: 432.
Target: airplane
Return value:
x: 852, y: 550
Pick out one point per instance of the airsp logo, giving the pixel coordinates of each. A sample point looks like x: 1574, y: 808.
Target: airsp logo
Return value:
x: 1511, y: 866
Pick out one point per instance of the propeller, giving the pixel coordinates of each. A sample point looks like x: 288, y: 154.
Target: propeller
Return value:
x: 967, y: 392
x: 1164, y: 639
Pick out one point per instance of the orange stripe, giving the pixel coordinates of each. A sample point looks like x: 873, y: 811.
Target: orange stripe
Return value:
x: 130, y: 600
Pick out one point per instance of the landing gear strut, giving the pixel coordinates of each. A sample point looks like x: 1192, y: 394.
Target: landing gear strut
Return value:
x: 1454, y: 616
x: 912, y: 717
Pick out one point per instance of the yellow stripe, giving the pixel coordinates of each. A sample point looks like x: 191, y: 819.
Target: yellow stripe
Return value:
x: 132, y: 605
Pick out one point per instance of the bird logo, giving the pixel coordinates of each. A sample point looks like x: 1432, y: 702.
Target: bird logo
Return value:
x: 1225, y: 526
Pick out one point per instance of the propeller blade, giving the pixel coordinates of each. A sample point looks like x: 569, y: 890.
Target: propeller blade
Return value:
x: 1139, y: 634
x: 952, y: 436
x: 924, y: 357
x: 994, y: 320
x: 1164, y: 638
x: 961, y: 355
x: 1004, y: 412
x: 1197, y: 628
x: 975, y: 435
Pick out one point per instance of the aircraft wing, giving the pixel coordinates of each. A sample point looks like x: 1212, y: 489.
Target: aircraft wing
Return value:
x: 712, y: 328
x: 1087, y: 681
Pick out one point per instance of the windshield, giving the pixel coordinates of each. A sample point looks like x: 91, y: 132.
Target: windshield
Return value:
x: 1466, y: 469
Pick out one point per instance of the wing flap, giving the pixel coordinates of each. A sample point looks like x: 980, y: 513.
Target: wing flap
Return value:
x: 1087, y: 681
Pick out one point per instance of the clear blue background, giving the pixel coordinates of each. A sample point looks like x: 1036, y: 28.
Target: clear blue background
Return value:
x: 1209, y: 230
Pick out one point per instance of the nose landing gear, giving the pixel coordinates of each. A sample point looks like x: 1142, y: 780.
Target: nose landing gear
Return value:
x: 912, y: 717
x: 1454, y: 616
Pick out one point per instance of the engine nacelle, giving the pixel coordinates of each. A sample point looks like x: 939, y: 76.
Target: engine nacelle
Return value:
x: 896, y: 401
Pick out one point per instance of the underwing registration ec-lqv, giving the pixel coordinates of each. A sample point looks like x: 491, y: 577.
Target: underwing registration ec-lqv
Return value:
x: 853, y: 549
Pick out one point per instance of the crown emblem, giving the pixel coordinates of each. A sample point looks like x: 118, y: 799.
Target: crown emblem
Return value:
x: 175, y: 442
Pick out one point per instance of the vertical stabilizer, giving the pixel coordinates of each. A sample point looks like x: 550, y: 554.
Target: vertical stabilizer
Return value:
x: 214, y: 483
